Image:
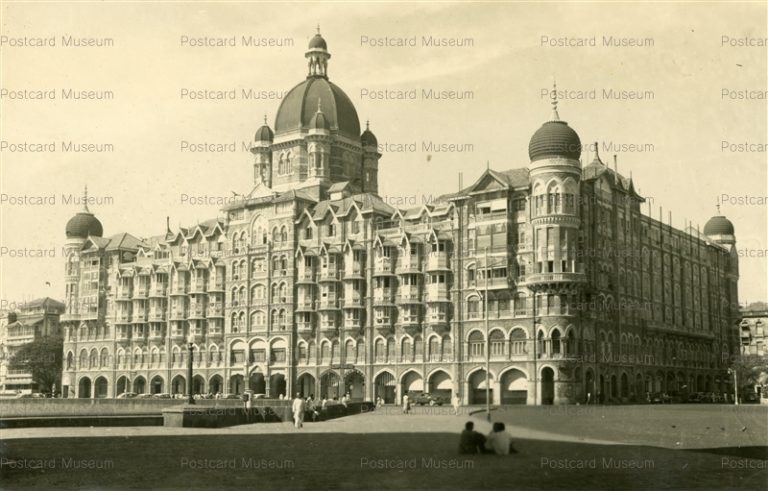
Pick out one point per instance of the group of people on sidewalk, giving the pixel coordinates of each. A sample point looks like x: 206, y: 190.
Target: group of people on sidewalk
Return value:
x: 497, y: 442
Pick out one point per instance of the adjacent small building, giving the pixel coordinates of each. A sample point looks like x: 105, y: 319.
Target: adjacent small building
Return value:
x: 34, y: 319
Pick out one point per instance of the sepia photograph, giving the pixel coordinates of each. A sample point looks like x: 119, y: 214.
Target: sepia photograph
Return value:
x: 383, y: 245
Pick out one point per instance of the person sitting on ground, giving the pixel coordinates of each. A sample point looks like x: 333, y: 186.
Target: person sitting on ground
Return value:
x: 471, y: 442
x: 498, y: 440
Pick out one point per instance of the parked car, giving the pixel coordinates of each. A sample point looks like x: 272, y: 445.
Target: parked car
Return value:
x: 427, y: 398
x: 127, y: 395
x: 231, y: 396
x: 660, y: 398
x: 161, y: 396
x: 750, y: 398
x: 144, y: 396
x: 695, y: 397
x: 33, y: 395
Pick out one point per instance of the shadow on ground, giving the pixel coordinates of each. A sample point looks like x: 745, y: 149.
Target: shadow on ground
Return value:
x: 366, y: 461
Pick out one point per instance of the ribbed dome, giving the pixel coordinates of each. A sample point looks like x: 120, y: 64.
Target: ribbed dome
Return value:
x: 554, y: 139
x: 84, y: 224
x: 300, y: 105
x: 368, y: 138
x: 264, y: 134
x: 317, y: 42
x: 718, y: 225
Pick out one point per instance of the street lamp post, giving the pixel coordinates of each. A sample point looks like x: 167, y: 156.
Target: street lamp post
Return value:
x: 190, y: 348
x: 487, y: 345
x: 735, y: 386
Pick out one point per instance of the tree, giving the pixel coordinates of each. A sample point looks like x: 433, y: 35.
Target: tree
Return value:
x: 750, y: 369
x: 43, y: 359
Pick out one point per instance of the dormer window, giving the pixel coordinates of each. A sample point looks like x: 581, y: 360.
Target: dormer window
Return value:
x: 331, y: 230
x: 308, y: 233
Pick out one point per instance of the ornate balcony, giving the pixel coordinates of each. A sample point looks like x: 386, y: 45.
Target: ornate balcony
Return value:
x: 329, y: 303
x: 178, y: 315
x: 123, y: 293
x: 383, y: 298
x: 305, y: 305
x: 409, y: 265
x: 353, y: 302
x: 554, y: 279
x: 329, y: 328
x: 305, y: 276
x: 123, y: 317
x: 354, y: 272
x: 179, y: 290
x: 410, y: 296
x: 305, y: 329
x: 384, y: 326
x: 158, y: 290
x: 382, y: 266
x: 140, y: 292
x: 140, y: 316
x: 329, y: 274
x: 216, y: 310
x: 438, y: 261
x: 216, y: 286
x: 196, y: 312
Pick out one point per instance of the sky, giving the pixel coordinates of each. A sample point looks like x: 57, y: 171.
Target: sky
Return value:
x: 683, y: 142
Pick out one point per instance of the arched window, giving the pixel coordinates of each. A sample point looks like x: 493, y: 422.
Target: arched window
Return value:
x: 517, y: 342
x: 434, y: 349
x: 405, y: 352
x: 381, y: 354
x: 476, y: 345
x: 556, y: 342
x: 391, y: 350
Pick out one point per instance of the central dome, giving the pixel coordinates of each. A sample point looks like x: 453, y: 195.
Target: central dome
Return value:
x: 554, y: 139
x: 300, y: 105
x: 82, y: 225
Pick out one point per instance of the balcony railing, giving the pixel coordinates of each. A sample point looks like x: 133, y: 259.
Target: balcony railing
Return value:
x: 354, y: 272
x: 123, y: 294
x: 382, y: 266
x: 304, y: 326
x: 409, y: 264
x: 328, y: 303
x: 329, y: 274
x: 158, y: 291
x: 123, y: 317
x: 140, y: 292
x: 216, y: 286
x: 553, y: 278
x: 140, y: 316
x: 353, y: 301
x: 179, y: 290
x: 197, y: 287
x: 437, y: 293
x: 306, y: 275
x: 215, y: 310
x: 437, y: 261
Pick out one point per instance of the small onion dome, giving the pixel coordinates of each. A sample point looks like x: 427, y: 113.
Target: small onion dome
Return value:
x: 554, y: 139
x: 718, y: 225
x: 264, y: 134
x: 317, y: 42
x: 368, y: 138
x: 82, y: 225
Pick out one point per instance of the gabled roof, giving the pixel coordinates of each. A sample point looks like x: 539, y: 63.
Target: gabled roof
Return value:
x: 492, y: 180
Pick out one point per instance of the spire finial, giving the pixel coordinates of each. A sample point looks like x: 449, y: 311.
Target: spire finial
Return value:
x: 85, y: 199
x: 318, y: 28
x: 487, y: 165
x: 718, y: 207
x: 555, y: 116
x: 265, y: 118
x: 367, y: 124
x: 319, y: 105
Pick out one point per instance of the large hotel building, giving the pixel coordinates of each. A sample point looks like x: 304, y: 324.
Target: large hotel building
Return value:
x: 548, y: 275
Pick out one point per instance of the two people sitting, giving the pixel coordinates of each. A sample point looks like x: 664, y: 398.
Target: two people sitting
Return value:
x: 497, y: 442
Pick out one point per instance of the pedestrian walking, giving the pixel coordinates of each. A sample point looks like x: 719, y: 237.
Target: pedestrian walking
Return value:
x: 456, y: 404
x: 298, y: 411
x: 406, y: 404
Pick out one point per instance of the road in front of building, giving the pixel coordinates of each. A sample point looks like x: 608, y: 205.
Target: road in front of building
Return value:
x: 575, y: 447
